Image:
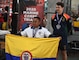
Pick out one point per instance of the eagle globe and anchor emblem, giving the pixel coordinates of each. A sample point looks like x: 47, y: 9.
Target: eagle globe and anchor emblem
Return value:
x: 26, y: 55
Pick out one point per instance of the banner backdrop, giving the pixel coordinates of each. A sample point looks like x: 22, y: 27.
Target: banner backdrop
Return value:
x: 23, y: 48
x: 30, y: 9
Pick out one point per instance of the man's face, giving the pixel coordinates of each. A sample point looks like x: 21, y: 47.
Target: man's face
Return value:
x: 35, y: 22
x: 59, y: 9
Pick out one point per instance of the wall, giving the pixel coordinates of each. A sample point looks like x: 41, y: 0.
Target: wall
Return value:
x: 74, y: 5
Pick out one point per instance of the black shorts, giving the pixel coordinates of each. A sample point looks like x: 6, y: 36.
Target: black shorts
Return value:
x: 63, y: 42
x: 62, y: 45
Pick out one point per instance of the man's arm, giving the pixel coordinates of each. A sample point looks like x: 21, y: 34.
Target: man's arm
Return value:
x: 22, y: 33
x: 19, y: 33
x: 51, y: 35
x: 69, y: 23
x: 69, y: 26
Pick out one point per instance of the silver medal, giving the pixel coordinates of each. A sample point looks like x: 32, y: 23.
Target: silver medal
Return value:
x: 58, y: 26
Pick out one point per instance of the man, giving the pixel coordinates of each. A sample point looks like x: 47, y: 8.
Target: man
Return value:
x: 36, y: 30
x: 61, y: 24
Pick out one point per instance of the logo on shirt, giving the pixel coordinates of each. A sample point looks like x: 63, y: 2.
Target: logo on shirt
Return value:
x: 40, y: 33
x: 26, y: 55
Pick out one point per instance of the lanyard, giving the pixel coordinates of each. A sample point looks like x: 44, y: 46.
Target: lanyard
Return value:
x: 59, y: 20
x: 35, y: 31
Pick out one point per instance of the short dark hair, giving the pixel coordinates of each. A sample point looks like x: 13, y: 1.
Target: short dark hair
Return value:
x: 38, y: 18
x: 60, y: 4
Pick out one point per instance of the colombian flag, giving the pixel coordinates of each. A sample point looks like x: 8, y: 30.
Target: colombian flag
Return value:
x: 23, y: 48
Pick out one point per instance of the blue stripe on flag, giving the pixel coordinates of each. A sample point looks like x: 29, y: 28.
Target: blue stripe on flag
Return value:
x: 10, y: 57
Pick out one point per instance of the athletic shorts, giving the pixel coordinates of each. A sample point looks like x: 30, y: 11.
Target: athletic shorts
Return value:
x: 63, y: 43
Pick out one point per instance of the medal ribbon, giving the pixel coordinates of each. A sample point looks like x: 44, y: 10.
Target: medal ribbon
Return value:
x: 35, y: 31
x: 59, y: 20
